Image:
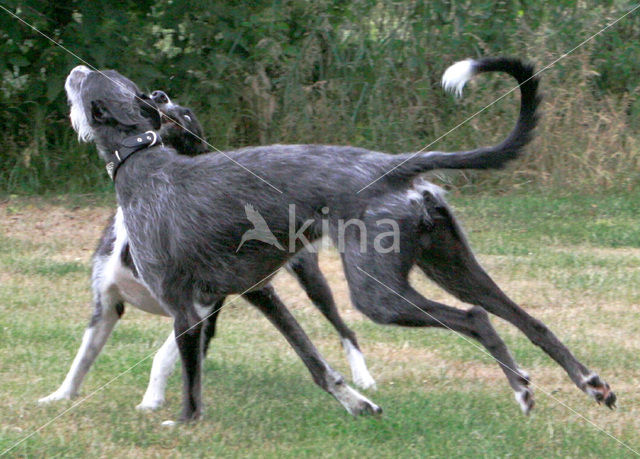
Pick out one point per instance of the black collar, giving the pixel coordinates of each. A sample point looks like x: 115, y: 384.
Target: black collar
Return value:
x: 128, y: 147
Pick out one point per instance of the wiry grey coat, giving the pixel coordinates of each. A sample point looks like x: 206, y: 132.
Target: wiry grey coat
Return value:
x: 184, y: 218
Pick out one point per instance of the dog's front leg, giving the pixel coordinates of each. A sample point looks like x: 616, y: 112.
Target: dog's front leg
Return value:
x: 304, y: 267
x: 187, y: 327
x: 326, y: 377
x: 165, y: 360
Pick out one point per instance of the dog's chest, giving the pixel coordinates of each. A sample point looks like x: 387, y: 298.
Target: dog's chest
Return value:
x: 120, y: 278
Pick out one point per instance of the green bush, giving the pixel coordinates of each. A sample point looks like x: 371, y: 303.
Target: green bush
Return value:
x: 358, y: 72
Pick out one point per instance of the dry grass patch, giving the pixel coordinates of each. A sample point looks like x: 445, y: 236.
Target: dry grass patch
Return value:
x: 74, y: 231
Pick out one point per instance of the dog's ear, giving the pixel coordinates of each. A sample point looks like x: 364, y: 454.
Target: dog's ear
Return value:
x: 99, y: 112
x: 149, y: 110
x: 103, y: 113
x: 192, y: 122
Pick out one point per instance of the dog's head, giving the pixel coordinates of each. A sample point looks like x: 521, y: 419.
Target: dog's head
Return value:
x: 180, y: 127
x: 106, y: 107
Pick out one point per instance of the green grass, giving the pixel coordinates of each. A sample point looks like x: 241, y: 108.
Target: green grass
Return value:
x: 514, y: 224
x: 571, y: 260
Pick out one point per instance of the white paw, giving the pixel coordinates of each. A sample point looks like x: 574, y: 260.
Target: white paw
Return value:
x: 359, y: 371
x: 364, y: 381
x: 355, y: 403
x: 169, y: 423
x: 54, y: 397
x: 524, y: 398
x: 150, y: 405
x: 599, y: 390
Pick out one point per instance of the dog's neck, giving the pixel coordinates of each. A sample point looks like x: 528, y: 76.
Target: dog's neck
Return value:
x: 121, y: 151
x: 109, y: 137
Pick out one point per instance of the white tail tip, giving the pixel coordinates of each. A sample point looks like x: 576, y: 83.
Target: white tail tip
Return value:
x: 456, y: 76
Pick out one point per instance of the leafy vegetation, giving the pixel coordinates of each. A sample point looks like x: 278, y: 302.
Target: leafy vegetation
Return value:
x: 362, y: 72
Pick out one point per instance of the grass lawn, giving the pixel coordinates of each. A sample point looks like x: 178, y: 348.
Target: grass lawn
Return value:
x: 572, y: 261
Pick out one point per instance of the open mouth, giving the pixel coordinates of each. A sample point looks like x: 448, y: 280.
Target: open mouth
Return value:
x: 162, y: 101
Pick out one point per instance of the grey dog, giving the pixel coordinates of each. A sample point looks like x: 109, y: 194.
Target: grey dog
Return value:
x: 113, y: 283
x: 183, y: 218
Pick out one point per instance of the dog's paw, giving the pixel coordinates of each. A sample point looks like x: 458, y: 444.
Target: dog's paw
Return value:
x: 523, y: 391
x: 599, y: 390
x: 366, y: 407
x: 169, y: 423
x: 54, y: 397
x: 524, y: 397
x: 364, y: 380
x: 359, y: 371
x: 150, y: 405
x: 354, y: 402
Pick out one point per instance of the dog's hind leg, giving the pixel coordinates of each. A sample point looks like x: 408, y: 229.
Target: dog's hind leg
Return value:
x: 380, y: 289
x: 448, y: 260
x: 106, y: 313
x: 326, y: 377
x: 304, y: 266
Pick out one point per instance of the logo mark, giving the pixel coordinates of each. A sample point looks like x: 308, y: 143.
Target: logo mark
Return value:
x: 260, y: 231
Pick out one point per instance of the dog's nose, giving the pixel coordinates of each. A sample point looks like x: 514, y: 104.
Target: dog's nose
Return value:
x: 160, y: 97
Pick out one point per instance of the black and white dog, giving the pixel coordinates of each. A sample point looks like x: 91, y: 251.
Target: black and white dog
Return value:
x: 183, y: 218
x: 114, y: 282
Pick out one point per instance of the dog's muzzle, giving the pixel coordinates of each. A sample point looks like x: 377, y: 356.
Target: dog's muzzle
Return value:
x: 128, y: 147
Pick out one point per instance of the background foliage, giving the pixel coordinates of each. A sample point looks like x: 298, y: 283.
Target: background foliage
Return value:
x: 363, y: 72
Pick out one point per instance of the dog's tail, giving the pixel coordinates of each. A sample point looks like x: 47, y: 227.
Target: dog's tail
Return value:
x: 410, y: 164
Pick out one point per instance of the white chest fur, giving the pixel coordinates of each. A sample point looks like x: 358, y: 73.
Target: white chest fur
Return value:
x: 119, y: 280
